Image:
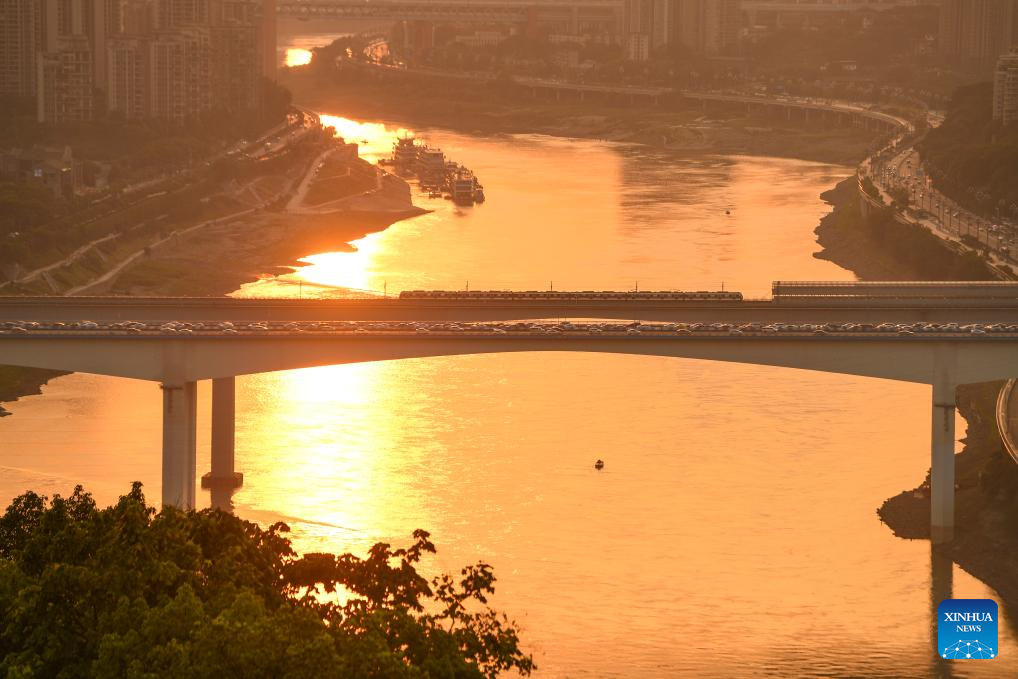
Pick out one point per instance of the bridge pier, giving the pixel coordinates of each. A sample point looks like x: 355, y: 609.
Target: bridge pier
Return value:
x: 180, y: 415
x: 224, y: 409
x: 942, y: 464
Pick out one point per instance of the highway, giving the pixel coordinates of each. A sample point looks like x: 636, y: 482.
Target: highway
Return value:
x: 939, y: 213
x: 418, y: 329
x: 807, y: 310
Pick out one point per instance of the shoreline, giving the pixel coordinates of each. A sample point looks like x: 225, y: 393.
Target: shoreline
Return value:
x: 240, y: 260
x: 983, y: 545
x: 844, y: 244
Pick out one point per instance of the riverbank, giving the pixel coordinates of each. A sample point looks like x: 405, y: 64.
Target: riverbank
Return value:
x: 849, y: 246
x: 282, y: 239
x: 485, y: 109
x: 985, y: 542
x: 879, y: 246
x: 16, y: 381
x: 241, y: 259
x: 220, y: 257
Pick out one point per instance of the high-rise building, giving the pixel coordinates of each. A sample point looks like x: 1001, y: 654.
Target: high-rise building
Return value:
x: 138, y: 17
x: 18, y: 47
x: 179, y: 82
x: 708, y: 27
x: 59, y: 19
x: 637, y: 47
x: 662, y: 23
x: 115, y: 11
x: 65, y: 85
x: 170, y: 59
x: 1005, y: 88
x: 237, y: 66
x: 181, y: 13
x: 127, y: 77
x: 638, y: 16
x: 637, y: 22
x: 973, y: 33
x: 270, y: 60
x: 70, y: 58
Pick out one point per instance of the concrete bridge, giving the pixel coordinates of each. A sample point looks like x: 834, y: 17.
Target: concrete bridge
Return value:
x: 581, y: 90
x: 571, y: 14
x: 177, y: 355
x: 786, y: 309
x: 807, y: 109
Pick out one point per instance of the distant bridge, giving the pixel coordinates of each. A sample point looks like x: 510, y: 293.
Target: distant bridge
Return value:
x: 865, y: 117
x: 802, y: 108
x: 450, y: 11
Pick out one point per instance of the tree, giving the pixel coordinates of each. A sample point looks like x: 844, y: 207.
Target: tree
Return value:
x: 128, y: 592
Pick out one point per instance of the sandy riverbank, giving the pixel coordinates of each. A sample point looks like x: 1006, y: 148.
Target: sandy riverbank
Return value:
x: 267, y: 243
x: 240, y: 258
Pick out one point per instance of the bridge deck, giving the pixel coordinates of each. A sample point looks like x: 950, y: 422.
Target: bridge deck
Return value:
x: 395, y: 309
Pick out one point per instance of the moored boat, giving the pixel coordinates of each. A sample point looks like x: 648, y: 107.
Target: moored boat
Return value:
x: 462, y: 187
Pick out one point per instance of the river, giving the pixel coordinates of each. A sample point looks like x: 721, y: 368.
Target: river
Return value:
x: 733, y: 530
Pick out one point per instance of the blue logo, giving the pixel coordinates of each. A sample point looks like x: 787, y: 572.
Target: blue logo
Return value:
x: 967, y: 629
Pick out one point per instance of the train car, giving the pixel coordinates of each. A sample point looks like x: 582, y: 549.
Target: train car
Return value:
x: 575, y: 296
x: 895, y: 290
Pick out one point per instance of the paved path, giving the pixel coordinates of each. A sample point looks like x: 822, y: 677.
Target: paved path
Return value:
x: 131, y: 259
x: 69, y: 259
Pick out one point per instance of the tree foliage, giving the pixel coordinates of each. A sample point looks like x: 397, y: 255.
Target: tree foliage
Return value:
x: 128, y: 592
x: 974, y: 158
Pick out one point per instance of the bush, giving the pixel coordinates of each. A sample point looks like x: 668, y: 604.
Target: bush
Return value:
x: 973, y: 158
x: 127, y: 592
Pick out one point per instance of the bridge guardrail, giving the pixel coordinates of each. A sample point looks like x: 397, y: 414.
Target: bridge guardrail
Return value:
x: 1003, y: 418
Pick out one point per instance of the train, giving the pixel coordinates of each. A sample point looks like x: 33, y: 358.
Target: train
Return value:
x: 583, y: 295
x: 894, y: 290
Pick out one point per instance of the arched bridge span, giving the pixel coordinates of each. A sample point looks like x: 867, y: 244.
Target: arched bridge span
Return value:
x: 942, y: 360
